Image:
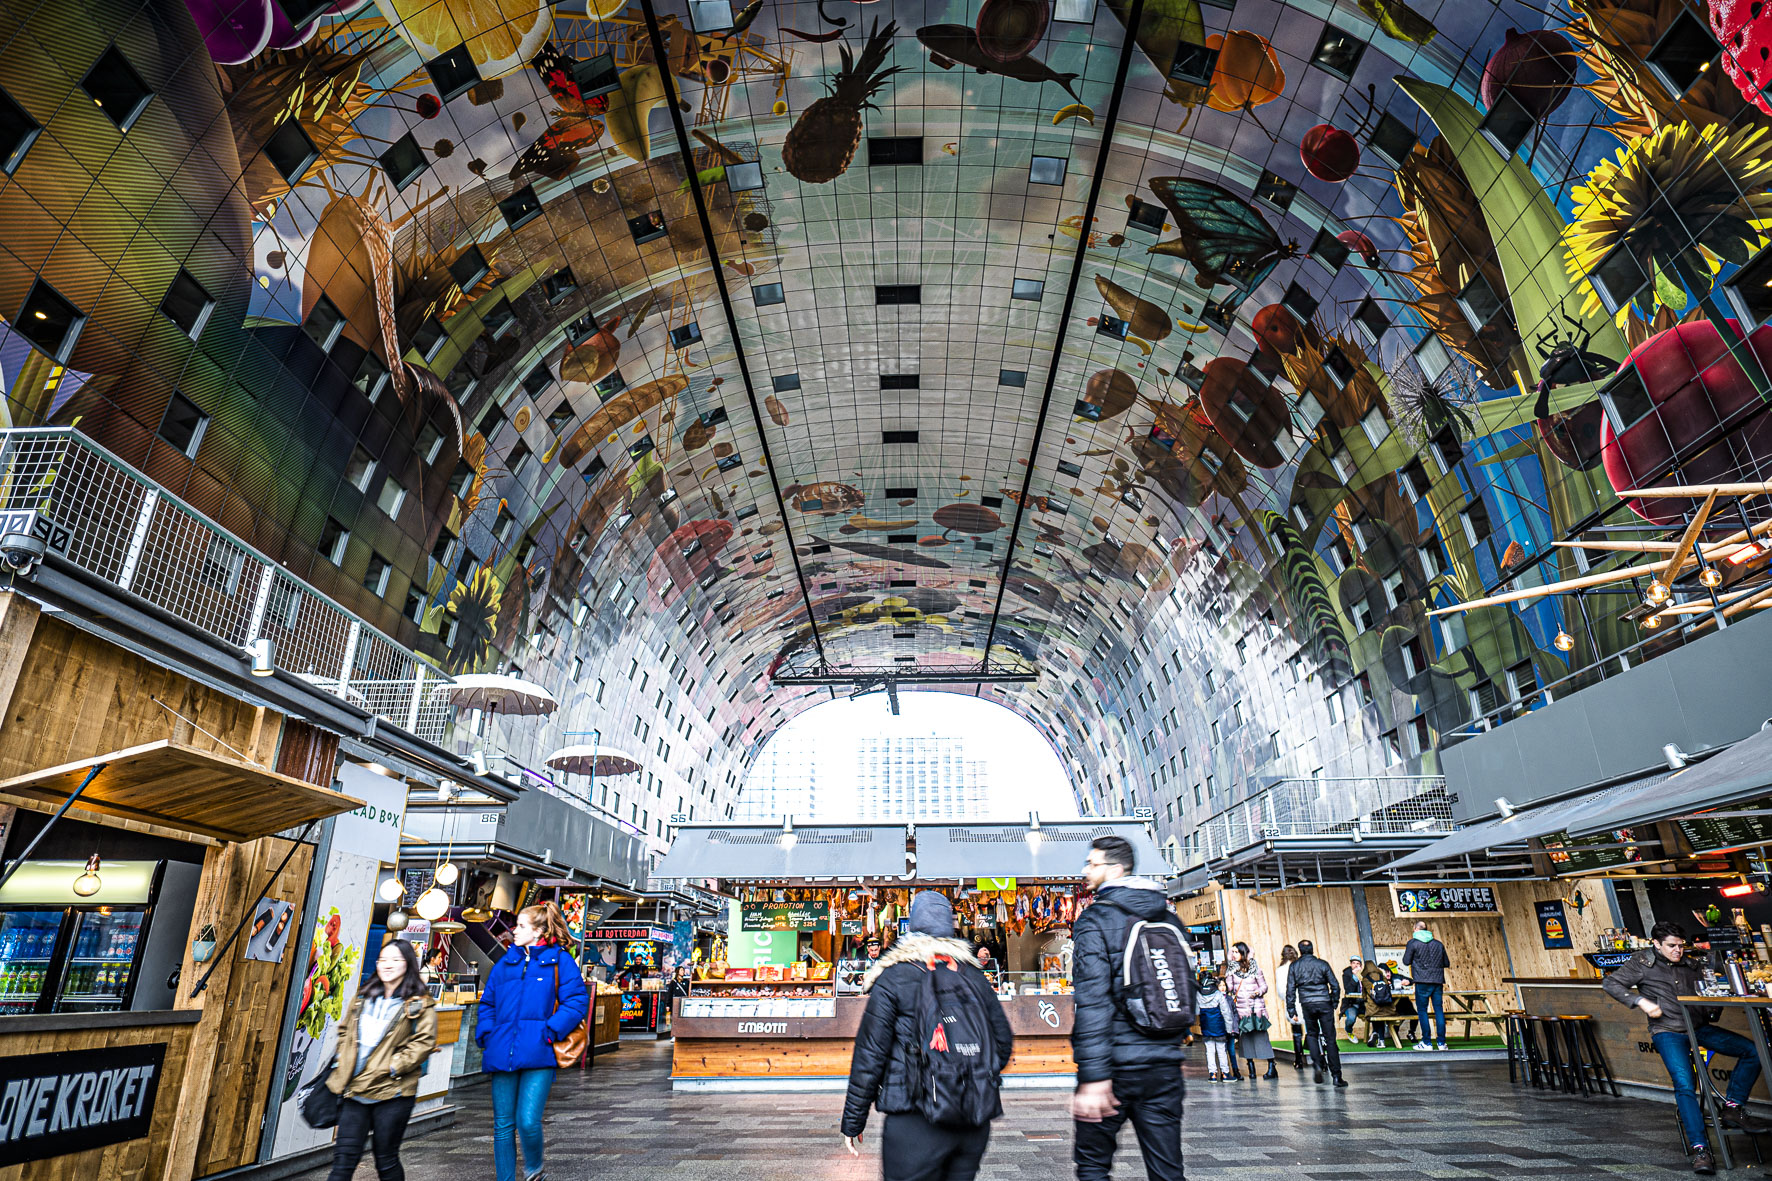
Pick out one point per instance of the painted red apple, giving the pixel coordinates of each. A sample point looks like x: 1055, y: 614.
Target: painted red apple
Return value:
x: 1247, y: 411
x: 1329, y: 153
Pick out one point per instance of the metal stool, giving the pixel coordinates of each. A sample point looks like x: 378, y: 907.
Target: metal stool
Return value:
x: 1525, y: 1064
x: 1585, y: 1055
x: 1558, y: 1072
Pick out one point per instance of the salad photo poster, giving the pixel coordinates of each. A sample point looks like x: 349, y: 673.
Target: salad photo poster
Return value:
x: 331, y: 965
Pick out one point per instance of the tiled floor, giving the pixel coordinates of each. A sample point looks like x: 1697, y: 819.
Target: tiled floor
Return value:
x: 622, y: 1122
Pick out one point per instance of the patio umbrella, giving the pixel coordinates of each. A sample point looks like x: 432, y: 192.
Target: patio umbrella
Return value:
x: 499, y: 694
x: 593, y: 760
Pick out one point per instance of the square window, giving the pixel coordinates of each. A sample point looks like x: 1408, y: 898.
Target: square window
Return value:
x: 375, y: 579
x: 538, y: 379
x: 648, y: 227
x: 1112, y: 326
x: 302, y: 12
x: 1618, y: 278
x: 1194, y: 64
x: 610, y: 386
x: 1075, y: 12
x: 898, y: 437
x: 1371, y: 319
x: 594, y: 469
x: 744, y: 178
x: 405, y: 161
x: 766, y: 295
x: 118, y: 90
x: 371, y: 376
x: 1376, y: 425
x: 1015, y: 378
x: 359, y: 468
x: 1047, y: 170
x: 1028, y: 289
x: 1507, y: 124
x: 1432, y: 356
x: 469, y: 268
x: 461, y: 477
x: 686, y: 335
x: 892, y: 150
x: 491, y: 421
x: 182, y: 425
x: 636, y: 450
x: 897, y: 293
x: 596, y: 75
x: 900, y: 381
x: 1067, y: 468
x: 333, y: 540
x: 1683, y: 52
x: 1276, y: 190
x: 1329, y: 250
x: 18, y: 131
x: 713, y: 417
x: 710, y: 16
x: 1220, y: 314
x: 561, y: 417
x: 499, y: 319
x: 1626, y: 400
x: 1479, y: 302
x: 453, y: 73
x: 1339, y: 367
x: 1338, y: 52
x: 415, y: 603
x: 1393, y: 139
x: 727, y: 462
x: 187, y: 304
x: 428, y: 340
x: 521, y: 207
x: 324, y: 325
x: 1750, y: 289
x: 580, y: 330
x: 391, y: 497
x: 520, y: 455
x: 444, y: 548
x: 559, y: 285
x: 1146, y: 217
x: 785, y: 382
x: 1299, y: 302
x: 290, y: 151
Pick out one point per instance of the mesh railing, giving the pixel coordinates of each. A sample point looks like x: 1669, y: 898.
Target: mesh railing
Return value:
x: 116, y: 524
x: 1375, y: 805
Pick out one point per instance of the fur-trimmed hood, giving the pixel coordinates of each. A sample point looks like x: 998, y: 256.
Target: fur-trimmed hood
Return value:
x: 918, y: 949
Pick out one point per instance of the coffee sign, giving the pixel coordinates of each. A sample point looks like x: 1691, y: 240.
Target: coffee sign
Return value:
x: 55, y: 1104
x: 804, y: 916
x: 1412, y: 901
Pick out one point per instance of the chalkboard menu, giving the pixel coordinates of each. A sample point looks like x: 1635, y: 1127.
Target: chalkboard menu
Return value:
x: 805, y: 916
x: 1582, y: 854
x: 1733, y: 832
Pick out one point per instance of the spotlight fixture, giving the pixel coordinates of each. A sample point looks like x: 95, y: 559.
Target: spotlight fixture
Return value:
x: 1506, y: 807
x: 88, y: 883
x: 1676, y: 758
x: 1564, y: 641
x: 1711, y: 577
x: 787, y: 840
x: 264, y: 656
x: 478, y: 759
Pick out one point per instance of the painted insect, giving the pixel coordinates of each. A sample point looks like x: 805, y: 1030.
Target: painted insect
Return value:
x: 1567, y: 362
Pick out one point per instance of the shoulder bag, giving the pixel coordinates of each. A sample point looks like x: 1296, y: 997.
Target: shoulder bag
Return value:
x: 318, y: 1105
x: 569, y: 1049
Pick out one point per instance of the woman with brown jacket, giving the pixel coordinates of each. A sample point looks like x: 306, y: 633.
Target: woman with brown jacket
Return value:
x: 388, y: 1030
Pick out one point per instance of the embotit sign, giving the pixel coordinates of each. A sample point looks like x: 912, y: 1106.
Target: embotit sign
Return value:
x: 54, y: 1104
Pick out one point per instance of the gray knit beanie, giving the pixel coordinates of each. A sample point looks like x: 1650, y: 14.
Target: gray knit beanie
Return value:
x: 932, y: 914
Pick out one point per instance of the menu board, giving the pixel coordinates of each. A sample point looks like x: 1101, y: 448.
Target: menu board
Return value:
x: 1733, y: 832
x: 1582, y: 854
x: 800, y: 916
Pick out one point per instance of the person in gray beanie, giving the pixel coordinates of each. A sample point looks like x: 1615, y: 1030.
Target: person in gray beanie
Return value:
x: 885, y: 1070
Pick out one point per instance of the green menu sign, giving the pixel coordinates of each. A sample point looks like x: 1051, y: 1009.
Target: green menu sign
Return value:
x: 768, y: 916
x: 1599, y: 851
x: 1707, y: 834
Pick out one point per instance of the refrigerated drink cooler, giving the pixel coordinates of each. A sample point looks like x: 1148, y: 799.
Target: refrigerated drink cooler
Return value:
x: 118, y: 948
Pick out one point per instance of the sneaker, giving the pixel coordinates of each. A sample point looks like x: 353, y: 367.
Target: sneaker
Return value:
x: 1703, y: 1162
x: 1422, y: 1046
x: 538, y: 1175
x: 1441, y: 1046
x: 1737, y: 1116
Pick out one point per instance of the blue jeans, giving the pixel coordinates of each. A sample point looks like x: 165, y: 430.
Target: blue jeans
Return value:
x: 1350, y: 1013
x: 518, y: 1097
x: 1678, y: 1058
x: 1434, y: 995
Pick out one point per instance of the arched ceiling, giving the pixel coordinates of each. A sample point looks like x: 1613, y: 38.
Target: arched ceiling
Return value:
x: 851, y: 337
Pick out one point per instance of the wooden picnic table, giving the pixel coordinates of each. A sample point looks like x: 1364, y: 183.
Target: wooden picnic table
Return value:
x: 1471, y: 1005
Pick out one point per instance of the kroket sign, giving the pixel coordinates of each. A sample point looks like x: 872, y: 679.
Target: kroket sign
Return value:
x: 54, y: 1104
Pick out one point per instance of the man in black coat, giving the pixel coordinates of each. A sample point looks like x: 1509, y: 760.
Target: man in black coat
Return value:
x: 1122, y: 1073
x: 883, y: 1071
x: 1311, y: 989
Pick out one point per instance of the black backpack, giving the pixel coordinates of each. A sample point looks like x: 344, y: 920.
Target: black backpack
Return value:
x: 957, y: 1056
x: 1381, y: 992
x: 1156, y: 983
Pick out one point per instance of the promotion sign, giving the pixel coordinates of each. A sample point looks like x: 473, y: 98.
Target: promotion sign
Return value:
x: 1412, y: 901
x: 1553, y: 925
x: 804, y: 916
x: 54, y: 1104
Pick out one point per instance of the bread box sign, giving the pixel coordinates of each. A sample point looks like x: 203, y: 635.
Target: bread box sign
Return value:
x: 54, y: 1104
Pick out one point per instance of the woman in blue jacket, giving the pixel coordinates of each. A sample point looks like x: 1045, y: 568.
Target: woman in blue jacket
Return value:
x: 533, y: 998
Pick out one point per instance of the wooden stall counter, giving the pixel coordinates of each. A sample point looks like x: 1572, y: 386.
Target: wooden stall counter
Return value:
x: 807, y: 1044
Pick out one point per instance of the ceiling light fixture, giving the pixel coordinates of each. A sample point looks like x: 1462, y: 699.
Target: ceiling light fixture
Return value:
x: 391, y: 889
x: 1651, y: 622
x: 1711, y: 577
x: 88, y: 883
x: 1658, y: 593
x: 1564, y: 641
x: 433, y: 904
x: 788, y: 839
x: 264, y: 656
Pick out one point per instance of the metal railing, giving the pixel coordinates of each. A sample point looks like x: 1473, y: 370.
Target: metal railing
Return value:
x: 113, y: 522
x: 1377, y: 805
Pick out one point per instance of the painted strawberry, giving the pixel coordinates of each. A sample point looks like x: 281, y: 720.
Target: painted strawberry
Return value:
x: 1744, y: 28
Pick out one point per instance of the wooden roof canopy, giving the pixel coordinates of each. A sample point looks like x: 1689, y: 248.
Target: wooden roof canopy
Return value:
x: 175, y: 786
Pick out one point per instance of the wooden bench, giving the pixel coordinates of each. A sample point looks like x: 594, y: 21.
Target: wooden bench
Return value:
x: 1387, y: 1027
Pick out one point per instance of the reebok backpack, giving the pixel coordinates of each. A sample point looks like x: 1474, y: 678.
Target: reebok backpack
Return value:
x: 957, y: 1057
x: 1157, y: 980
x: 1381, y: 992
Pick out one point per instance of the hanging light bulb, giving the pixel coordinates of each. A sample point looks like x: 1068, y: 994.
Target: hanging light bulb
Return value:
x: 397, y: 921
x: 1711, y: 577
x: 390, y: 890
x: 88, y: 883
x: 1651, y: 622
x: 432, y: 904
x: 1658, y: 593
x: 446, y: 874
x: 1564, y: 641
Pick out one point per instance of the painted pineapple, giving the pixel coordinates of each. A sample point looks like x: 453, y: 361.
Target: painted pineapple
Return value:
x: 824, y: 138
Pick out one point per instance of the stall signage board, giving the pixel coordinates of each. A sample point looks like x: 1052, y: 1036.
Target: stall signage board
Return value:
x: 1579, y: 854
x: 55, y: 1104
x: 999, y: 884
x: 1408, y: 901
x: 1605, y: 961
x: 373, y: 830
x: 624, y: 934
x: 1553, y: 924
x: 804, y: 916
x: 1734, y: 832
x: 855, y: 927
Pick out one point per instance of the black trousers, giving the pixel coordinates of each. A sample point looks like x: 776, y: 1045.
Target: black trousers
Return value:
x: 1319, y: 1032
x: 1151, y: 1099
x: 913, y: 1149
x: 1298, y: 1048
x: 356, y: 1120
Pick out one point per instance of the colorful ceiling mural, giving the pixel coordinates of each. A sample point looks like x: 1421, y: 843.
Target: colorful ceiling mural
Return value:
x: 1184, y: 353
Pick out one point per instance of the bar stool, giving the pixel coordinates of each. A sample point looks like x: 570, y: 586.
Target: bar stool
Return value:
x: 1525, y: 1064
x: 1586, y: 1056
x: 1558, y: 1070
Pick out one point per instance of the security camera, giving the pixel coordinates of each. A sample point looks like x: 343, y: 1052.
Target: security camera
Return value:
x: 20, y: 552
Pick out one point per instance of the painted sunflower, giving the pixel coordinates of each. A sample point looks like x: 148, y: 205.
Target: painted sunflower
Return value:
x: 476, y: 604
x: 1683, y: 201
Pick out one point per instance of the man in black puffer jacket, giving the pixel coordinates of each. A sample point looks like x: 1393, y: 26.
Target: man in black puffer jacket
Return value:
x: 883, y: 1070
x: 1311, y: 989
x: 1122, y: 1073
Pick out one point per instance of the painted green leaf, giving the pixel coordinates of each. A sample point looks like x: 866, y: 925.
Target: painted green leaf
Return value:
x: 1164, y: 26
x: 1521, y: 450
x: 1398, y: 20
x: 1668, y: 292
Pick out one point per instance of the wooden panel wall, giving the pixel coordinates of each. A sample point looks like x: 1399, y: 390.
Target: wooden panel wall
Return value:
x: 252, y: 1021
x: 1520, y: 914
x: 77, y: 697
x: 133, y: 1160
x: 1323, y: 915
x: 1474, y: 945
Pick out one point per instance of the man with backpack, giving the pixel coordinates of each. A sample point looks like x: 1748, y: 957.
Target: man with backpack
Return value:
x: 930, y: 1052
x: 1133, y: 984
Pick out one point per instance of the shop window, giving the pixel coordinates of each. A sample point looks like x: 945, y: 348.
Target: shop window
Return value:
x: 453, y: 73
x: 18, y: 131
x: 1338, y: 53
x: 324, y: 325
x: 1276, y: 190
x: 404, y: 161
x: 187, y: 304
x: 521, y: 207
x: 49, y: 321
x: 182, y: 425
x: 1682, y: 53
x: 118, y: 90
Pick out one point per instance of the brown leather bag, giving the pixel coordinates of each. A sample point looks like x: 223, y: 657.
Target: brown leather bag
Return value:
x: 569, y: 1049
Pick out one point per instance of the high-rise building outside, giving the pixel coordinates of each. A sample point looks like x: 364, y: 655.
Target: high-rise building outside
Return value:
x: 890, y: 777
